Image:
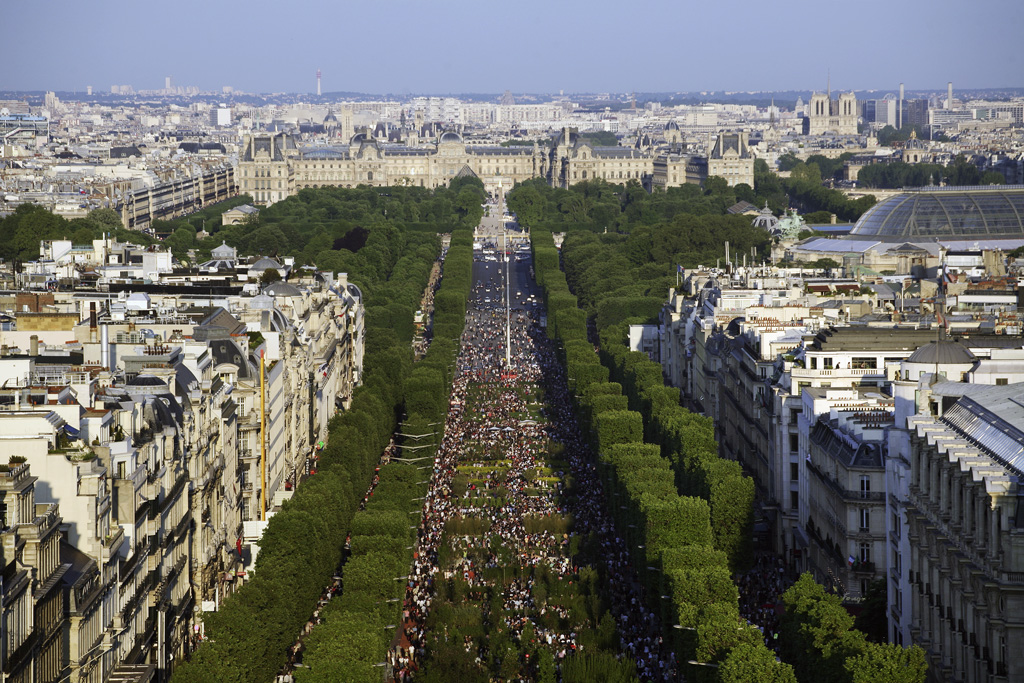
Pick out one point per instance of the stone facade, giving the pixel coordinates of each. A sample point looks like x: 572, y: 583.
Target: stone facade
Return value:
x: 143, y: 425
x: 732, y: 159
x: 825, y: 115
x: 274, y: 166
x: 572, y: 160
x: 960, y: 593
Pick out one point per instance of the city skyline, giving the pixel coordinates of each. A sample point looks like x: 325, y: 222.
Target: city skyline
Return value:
x: 407, y: 46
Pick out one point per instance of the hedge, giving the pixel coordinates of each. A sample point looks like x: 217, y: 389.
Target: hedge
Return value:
x: 301, y: 548
x: 671, y: 535
x: 382, y: 536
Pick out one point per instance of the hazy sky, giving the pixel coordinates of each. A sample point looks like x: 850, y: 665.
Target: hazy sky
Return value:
x: 453, y: 46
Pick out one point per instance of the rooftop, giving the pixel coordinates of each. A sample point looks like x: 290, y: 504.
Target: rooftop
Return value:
x: 929, y: 214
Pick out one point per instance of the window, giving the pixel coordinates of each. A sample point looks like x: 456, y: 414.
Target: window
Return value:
x: 865, y: 486
x: 794, y: 500
x: 1001, y: 381
x: 864, y: 363
x: 794, y: 471
x: 865, y: 519
x: 794, y: 444
x: 865, y: 552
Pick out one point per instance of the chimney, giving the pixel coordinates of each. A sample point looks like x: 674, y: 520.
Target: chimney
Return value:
x: 899, y: 110
x: 105, y: 346
x: 832, y: 219
x: 92, y: 321
x: 343, y: 282
x: 33, y: 345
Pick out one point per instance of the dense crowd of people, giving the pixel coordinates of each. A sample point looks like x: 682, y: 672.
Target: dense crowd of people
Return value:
x: 761, y: 589
x: 491, y: 429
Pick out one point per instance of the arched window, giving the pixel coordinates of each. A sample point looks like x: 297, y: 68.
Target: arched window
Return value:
x: 369, y: 175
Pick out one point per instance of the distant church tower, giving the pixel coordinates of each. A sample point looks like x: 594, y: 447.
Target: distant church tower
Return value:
x: 825, y: 115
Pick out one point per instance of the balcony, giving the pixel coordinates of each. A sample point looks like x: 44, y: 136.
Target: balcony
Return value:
x: 837, y: 373
x: 846, y: 494
x: 111, y: 544
x: 860, y: 567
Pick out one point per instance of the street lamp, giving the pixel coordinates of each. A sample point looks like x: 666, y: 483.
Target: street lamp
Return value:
x: 707, y: 664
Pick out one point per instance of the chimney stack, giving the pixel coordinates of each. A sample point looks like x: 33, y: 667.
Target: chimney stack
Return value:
x: 92, y: 321
x: 105, y: 347
x: 899, y: 110
x: 33, y: 345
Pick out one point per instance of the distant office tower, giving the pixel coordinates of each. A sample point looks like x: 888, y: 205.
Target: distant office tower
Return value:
x: 167, y: 83
x: 318, y: 82
x: 88, y: 90
x: 880, y: 111
x: 221, y: 116
x: 914, y: 113
x: 949, y: 95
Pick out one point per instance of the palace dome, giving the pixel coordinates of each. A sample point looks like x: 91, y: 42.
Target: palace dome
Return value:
x: 949, y: 213
x: 264, y: 264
